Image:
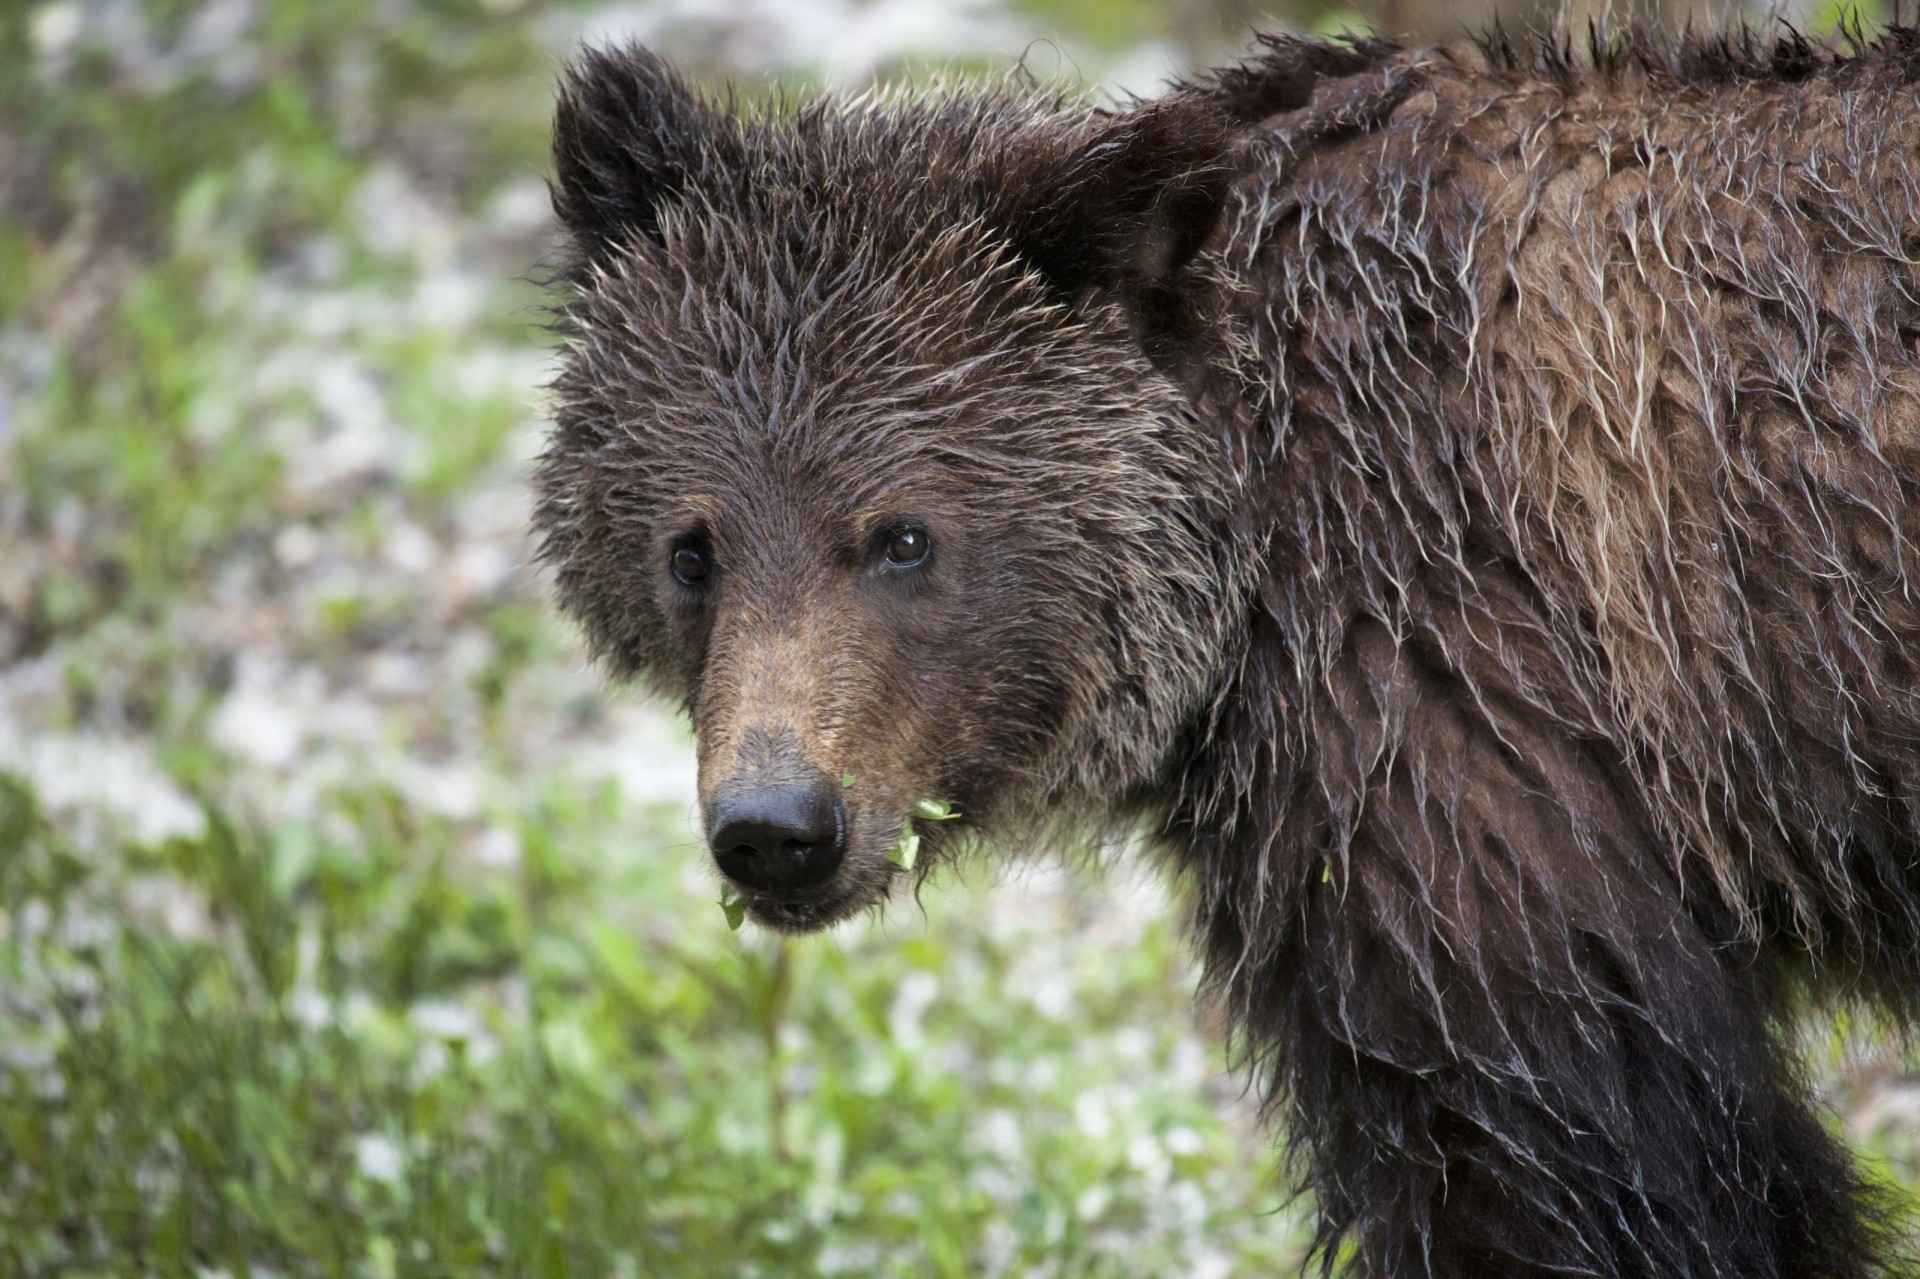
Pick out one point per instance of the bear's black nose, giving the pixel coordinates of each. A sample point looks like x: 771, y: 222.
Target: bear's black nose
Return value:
x: 778, y: 839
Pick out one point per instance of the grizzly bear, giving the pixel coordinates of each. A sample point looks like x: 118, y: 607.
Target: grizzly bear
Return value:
x: 1463, y: 506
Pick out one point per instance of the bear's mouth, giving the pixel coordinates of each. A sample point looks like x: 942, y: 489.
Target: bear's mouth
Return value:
x: 782, y: 915
x: 866, y: 880
x: 848, y: 895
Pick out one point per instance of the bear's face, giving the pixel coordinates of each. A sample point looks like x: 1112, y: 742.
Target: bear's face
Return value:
x: 900, y: 521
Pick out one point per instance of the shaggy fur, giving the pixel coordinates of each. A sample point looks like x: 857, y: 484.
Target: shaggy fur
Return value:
x: 1466, y: 508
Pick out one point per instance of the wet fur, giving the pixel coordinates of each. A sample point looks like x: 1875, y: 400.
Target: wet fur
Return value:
x: 1467, y: 504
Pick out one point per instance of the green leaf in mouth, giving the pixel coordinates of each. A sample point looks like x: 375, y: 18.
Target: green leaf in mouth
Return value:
x: 906, y: 850
x: 935, y: 810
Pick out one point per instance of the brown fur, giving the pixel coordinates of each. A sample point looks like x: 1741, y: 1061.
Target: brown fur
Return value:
x: 1467, y: 509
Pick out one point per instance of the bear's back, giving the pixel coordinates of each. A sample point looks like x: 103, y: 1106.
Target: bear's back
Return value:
x: 1602, y: 386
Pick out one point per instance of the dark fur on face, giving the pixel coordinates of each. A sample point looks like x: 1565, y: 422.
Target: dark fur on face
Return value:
x: 1469, y: 508
x: 798, y: 334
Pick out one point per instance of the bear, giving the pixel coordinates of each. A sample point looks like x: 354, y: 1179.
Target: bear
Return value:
x: 1458, y: 505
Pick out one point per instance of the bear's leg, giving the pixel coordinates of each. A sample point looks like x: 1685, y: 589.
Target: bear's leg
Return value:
x: 1505, y: 1041
x: 1588, y: 1112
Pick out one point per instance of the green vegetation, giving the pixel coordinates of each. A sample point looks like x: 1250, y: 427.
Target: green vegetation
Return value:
x: 345, y: 1053
x: 347, y: 925
x: 906, y: 849
x: 734, y: 907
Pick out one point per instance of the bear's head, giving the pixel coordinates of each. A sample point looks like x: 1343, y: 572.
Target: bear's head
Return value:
x: 875, y: 449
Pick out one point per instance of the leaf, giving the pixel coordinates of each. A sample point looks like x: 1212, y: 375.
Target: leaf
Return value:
x: 907, y: 851
x: 846, y: 781
x: 735, y: 907
x: 936, y: 810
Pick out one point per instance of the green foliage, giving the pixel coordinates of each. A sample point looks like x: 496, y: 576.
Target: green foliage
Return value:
x: 1108, y: 24
x: 906, y: 849
x: 1856, y: 18
x: 355, y: 1060
x: 734, y: 907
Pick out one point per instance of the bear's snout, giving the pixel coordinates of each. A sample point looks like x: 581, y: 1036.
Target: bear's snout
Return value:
x: 779, y: 839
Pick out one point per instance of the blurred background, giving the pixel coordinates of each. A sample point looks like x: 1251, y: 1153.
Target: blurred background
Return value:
x: 348, y: 924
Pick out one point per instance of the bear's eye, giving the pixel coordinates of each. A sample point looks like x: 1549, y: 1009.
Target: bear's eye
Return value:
x: 907, y: 547
x: 689, y: 564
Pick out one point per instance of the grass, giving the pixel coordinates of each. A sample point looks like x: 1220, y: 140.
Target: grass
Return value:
x: 347, y: 925
x: 296, y: 1054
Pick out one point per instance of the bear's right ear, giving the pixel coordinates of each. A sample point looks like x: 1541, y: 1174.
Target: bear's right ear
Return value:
x: 628, y: 135
x: 1126, y: 210
x: 1133, y: 203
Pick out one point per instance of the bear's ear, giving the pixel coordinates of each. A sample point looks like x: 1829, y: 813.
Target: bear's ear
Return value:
x: 1129, y: 208
x: 628, y: 136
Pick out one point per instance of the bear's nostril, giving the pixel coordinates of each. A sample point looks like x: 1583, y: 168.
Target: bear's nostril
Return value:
x: 778, y: 838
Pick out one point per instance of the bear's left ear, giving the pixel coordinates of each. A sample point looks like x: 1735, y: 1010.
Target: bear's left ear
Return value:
x: 629, y: 141
x: 1130, y: 207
